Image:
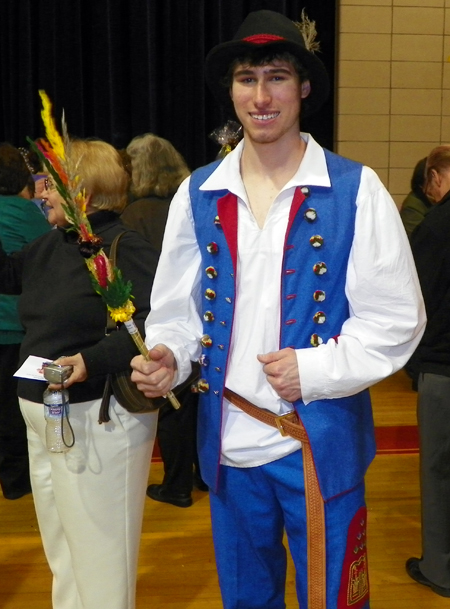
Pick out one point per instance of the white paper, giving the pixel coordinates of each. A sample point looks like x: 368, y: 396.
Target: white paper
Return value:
x: 32, y: 368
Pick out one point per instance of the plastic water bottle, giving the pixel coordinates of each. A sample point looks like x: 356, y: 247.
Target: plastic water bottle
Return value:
x: 58, y: 432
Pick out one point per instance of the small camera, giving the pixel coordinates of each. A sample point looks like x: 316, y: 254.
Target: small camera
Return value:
x: 54, y: 373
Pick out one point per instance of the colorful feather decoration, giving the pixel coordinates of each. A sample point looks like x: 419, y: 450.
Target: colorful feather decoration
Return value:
x: 56, y: 156
x: 107, y: 280
x: 51, y: 131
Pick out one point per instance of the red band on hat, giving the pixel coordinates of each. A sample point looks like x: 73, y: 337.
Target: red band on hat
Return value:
x: 262, y: 38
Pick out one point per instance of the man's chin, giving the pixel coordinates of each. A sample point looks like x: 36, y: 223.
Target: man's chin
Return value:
x: 264, y: 138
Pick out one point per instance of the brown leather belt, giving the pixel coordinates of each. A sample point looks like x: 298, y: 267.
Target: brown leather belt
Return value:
x: 290, y: 425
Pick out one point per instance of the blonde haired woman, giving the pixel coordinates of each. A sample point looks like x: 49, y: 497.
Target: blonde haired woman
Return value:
x: 89, y: 501
x: 157, y: 169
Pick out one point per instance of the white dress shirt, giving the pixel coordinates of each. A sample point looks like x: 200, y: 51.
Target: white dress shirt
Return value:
x: 387, y: 315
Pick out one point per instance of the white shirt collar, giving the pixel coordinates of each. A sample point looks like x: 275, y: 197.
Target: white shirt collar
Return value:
x: 312, y: 170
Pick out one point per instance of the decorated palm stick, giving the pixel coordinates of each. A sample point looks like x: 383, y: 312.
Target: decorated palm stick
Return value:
x: 116, y: 294
x: 136, y: 336
x: 107, y: 280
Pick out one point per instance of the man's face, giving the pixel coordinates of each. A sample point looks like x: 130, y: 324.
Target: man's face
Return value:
x: 267, y: 100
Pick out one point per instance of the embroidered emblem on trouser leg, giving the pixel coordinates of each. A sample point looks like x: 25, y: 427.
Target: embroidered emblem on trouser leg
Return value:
x: 354, y: 590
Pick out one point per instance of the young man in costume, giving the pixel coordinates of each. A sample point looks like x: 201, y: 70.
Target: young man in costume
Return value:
x: 286, y: 271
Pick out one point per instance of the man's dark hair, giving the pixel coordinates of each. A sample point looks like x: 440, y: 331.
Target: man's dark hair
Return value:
x: 262, y: 57
x: 418, y: 176
x: 14, y: 173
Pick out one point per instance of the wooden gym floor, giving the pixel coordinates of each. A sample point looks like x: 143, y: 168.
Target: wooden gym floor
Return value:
x: 176, y: 568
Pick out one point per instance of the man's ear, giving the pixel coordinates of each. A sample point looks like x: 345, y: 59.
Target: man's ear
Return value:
x: 436, y: 176
x: 306, y: 88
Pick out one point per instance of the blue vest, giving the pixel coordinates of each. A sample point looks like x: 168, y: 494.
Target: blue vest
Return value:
x: 313, y: 309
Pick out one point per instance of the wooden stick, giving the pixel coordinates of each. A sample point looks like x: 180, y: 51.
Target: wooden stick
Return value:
x: 136, y: 336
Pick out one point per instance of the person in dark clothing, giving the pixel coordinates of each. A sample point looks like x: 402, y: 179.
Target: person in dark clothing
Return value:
x: 20, y: 223
x: 417, y: 204
x: 90, y: 500
x: 430, y: 245
x: 157, y: 170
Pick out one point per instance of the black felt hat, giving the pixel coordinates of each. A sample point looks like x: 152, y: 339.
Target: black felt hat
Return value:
x: 271, y: 31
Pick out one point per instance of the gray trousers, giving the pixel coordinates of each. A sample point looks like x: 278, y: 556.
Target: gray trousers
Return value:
x: 433, y: 415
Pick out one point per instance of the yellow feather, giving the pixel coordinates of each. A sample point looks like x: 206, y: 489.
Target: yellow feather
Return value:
x: 51, y: 131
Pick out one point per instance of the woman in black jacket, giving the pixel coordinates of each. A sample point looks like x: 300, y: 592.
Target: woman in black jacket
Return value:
x: 89, y: 501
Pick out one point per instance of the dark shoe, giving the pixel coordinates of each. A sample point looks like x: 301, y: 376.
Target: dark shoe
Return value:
x: 158, y: 493
x: 16, y: 493
x: 199, y: 484
x: 413, y: 570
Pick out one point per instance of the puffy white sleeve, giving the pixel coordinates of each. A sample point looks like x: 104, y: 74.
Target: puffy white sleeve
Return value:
x: 175, y: 300
x: 387, y: 313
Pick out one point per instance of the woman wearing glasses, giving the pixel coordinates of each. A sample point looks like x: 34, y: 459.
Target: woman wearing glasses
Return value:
x: 89, y: 501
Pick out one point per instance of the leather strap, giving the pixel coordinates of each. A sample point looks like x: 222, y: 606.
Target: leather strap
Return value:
x: 291, y: 425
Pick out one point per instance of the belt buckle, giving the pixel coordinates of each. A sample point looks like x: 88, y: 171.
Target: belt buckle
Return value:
x: 279, y: 422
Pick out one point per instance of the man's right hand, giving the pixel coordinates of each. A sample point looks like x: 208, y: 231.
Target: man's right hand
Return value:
x: 154, y: 378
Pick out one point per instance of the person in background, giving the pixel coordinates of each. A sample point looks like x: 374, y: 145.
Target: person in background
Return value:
x: 416, y: 204
x: 89, y: 501
x: 20, y: 223
x: 430, y: 245
x: 414, y: 209
x: 287, y: 273
x: 157, y: 170
x: 34, y: 166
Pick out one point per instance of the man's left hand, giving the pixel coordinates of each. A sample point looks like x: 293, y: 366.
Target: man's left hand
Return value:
x: 281, y: 370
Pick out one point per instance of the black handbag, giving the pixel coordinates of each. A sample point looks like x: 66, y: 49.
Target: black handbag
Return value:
x: 128, y: 395
x: 120, y: 384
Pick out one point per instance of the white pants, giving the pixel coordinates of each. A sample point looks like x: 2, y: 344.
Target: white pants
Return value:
x: 90, y: 501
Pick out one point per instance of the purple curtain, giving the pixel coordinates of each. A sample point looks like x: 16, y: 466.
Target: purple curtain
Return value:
x: 120, y: 68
